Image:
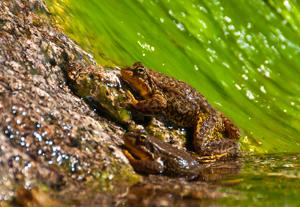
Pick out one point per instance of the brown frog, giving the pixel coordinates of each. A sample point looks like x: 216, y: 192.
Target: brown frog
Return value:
x: 214, y: 134
x: 149, y: 155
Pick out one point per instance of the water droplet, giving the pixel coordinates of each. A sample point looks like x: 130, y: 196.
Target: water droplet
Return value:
x: 237, y: 33
x: 249, y: 25
x: 171, y: 12
x: 262, y: 89
x: 287, y: 5
x: 202, y: 23
x: 264, y: 70
x: 49, y: 142
x: 40, y: 152
x: 59, y: 159
x: 14, y: 110
x: 27, y: 165
x: 146, y: 46
x: 249, y: 37
x: 245, y: 77
x: 231, y: 27
x: 180, y: 26
x: 238, y: 87
x: 203, y: 9
x: 17, y: 158
x: 38, y: 136
x: 18, y: 121
x: 227, y: 19
x: 250, y: 95
x: 226, y: 64
x: 224, y: 84
x: 196, y: 68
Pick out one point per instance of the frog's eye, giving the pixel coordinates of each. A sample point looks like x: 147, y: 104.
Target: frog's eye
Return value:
x: 142, y: 138
x: 140, y: 70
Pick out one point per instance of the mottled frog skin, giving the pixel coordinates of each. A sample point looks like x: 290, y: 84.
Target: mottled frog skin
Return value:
x: 149, y: 155
x: 161, y: 95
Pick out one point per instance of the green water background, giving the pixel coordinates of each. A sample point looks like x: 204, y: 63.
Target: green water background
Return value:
x: 243, y: 55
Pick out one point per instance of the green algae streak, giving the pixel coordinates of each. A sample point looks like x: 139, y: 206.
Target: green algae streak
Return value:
x: 243, y: 55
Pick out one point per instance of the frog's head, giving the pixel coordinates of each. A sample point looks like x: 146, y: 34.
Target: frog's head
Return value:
x: 138, y: 145
x: 137, y: 76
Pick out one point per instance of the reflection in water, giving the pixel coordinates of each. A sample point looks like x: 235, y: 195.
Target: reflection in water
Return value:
x: 272, y: 180
x: 261, y: 179
x: 164, y: 191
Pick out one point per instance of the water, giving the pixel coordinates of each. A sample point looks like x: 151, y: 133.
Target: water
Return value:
x: 268, y: 180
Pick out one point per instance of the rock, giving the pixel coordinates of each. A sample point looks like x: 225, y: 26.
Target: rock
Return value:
x: 48, y: 135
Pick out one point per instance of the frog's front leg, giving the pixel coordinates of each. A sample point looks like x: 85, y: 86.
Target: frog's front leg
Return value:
x: 145, y: 166
x: 152, y: 105
x: 205, y: 140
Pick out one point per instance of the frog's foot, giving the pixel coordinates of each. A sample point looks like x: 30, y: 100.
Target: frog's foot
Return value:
x: 152, y: 105
x: 131, y: 99
x: 231, y: 131
x: 144, y: 166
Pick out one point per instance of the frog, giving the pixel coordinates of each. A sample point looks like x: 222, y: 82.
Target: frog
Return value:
x: 102, y: 88
x: 158, y: 95
x: 150, y: 155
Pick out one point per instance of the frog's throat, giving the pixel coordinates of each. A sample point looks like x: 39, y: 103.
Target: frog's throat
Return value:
x: 136, y: 83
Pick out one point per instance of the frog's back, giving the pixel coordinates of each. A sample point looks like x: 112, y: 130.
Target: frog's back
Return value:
x: 177, y: 162
x: 184, y: 102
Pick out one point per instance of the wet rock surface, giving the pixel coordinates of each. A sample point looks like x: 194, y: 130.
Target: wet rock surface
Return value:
x: 48, y: 134
x: 50, y: 137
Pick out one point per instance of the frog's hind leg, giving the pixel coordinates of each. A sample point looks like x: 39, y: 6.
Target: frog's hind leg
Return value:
x: 208, y: 139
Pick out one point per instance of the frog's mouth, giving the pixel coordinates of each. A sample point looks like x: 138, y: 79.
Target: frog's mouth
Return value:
x: 135, y: 82
x: 136, y: 150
